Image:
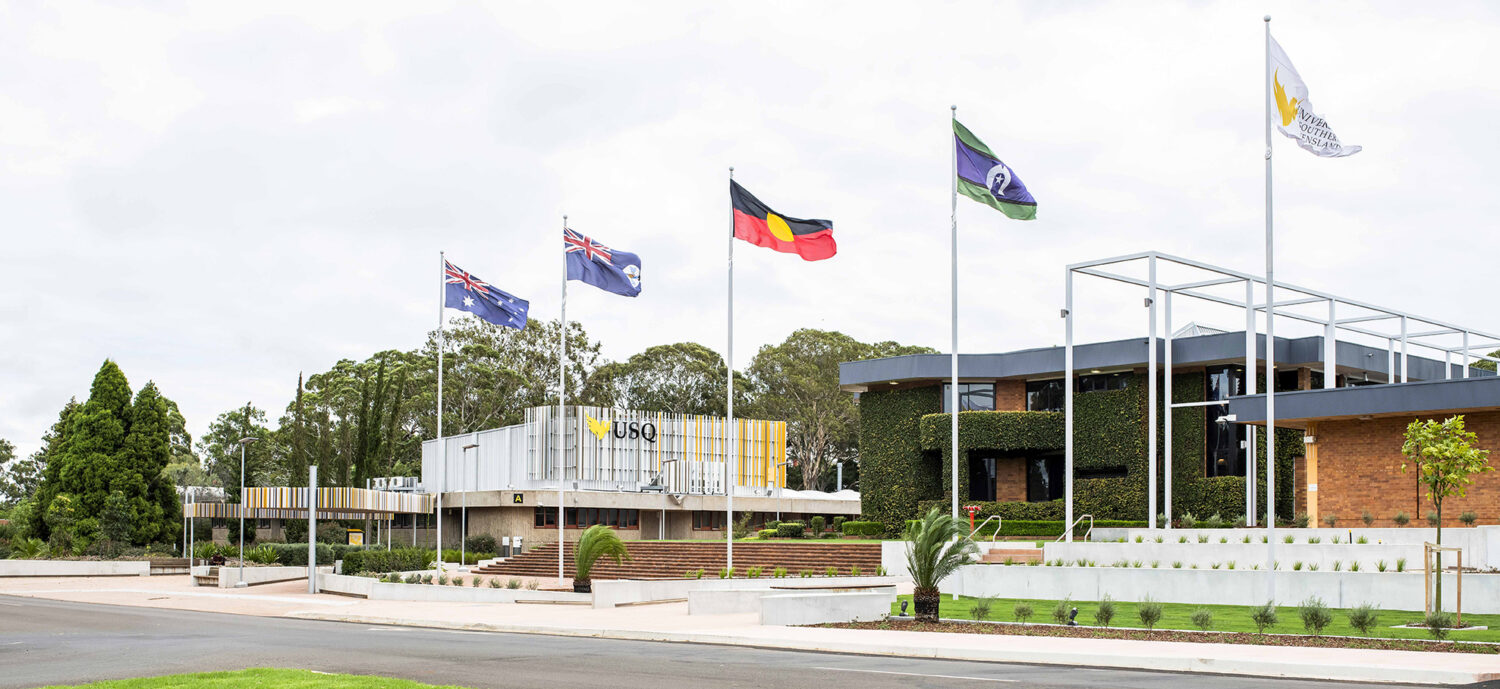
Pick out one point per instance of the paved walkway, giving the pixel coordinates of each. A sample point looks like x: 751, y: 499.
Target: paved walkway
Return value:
x: 670, y: 622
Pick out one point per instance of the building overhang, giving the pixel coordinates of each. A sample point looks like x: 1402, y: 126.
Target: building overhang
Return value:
x: 1297, y: 409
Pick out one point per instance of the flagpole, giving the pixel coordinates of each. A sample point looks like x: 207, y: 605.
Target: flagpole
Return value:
x: 953, y: 248
x: 1270, y: 346
x: 730, y: 447
x: 562, y: 386
x: 442, y: 444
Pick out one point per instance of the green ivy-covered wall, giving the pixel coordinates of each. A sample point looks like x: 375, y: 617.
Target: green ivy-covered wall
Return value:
x: 905, y: 453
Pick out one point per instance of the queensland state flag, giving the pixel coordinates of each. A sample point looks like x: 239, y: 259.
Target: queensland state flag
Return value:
x: 984, y: 178
x: 756, y: 223
x: 465, y: 292
x: 600, y: 266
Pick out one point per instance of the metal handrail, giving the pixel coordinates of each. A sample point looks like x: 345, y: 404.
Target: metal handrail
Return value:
x: 993, y: 536
x: 1069, y: 529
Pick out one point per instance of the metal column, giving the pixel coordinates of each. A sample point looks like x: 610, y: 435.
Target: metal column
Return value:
x: 1151, y: 394
x: 1167, y: 411
x: 1068, y: 406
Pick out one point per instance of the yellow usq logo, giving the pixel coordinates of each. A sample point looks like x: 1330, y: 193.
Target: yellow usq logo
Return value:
x: 1287, y: 107
x: 598, y: 428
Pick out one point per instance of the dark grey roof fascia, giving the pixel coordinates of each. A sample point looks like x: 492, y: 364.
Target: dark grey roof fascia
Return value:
x: 1131, y: 353
x: 1372, y: 400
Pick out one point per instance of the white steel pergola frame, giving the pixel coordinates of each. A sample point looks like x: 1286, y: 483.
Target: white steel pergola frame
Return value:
x: 1216, y: 275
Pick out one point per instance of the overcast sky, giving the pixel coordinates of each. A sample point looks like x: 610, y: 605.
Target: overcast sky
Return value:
x: 220, y: 195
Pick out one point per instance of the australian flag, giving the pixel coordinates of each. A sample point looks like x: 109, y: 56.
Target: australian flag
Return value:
x: 601, y: 266
x: 468, y: 293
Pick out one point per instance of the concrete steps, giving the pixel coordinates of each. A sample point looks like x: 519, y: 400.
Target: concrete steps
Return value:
x: 672, y: 560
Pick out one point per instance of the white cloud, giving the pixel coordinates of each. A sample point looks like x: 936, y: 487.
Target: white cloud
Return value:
x: 220, y: 196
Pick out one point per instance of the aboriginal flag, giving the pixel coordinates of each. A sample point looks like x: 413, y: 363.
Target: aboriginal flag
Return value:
x: 756, y: 223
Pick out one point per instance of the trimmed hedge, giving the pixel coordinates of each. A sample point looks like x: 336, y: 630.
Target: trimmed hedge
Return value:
x: 864, y: 528
x: 1040, y: 511
x: 894, y: 474
x: 1053, y: 529
x: 789, y: 530
x: 996, y: 431
x: 397, y: 560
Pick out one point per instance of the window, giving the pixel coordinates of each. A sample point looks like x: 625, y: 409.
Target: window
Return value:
x: 1044, y: 478
x: 1100, y: 382
x: 1044, y: 395
x: 584, y: 517
x: 708, y: 521
x: 1225, y: 455
x: 971, y: 397
x: 546, y: 516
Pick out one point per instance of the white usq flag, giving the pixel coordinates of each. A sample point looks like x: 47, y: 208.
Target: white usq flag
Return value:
x: 1292, y: 111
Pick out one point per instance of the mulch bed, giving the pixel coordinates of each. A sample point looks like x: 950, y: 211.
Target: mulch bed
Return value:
x: 1172, y: 635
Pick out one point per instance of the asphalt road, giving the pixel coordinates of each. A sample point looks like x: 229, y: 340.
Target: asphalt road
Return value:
x: 53, y: 642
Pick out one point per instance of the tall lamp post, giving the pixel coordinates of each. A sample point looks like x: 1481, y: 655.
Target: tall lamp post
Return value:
x: 779, y: 488
x: 244, y: 443
x: 661, y: 526
x: 463, y: 515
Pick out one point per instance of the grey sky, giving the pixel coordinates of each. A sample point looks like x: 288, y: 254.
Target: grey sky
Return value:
x: 221, y: 195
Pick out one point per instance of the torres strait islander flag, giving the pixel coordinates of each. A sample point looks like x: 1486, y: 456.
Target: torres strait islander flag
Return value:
x: 756, y: 223
x: 984, y: 178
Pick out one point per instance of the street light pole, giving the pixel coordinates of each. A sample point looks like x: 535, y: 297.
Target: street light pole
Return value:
x: 463, y: 515
x: 244, y: 443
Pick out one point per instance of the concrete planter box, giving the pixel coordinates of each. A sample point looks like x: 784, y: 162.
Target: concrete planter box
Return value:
x: 826, y: 606
x: 1244, y: 555
x: 75, y: 568
x: 1481, y: 544
x: 367, y: 587
x: 1388, y: 590
x: 740, y: 600
x: 255, y: 576
x: 611, y: 592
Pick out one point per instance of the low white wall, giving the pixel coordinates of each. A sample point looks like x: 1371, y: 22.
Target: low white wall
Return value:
x: 893, y: 559
x: 611, y: 592
x: 75, y: 568
x: 1388, y: 590
x: 1244, y: 555
x: 254, y: 576
x: 818, y: 608
x: 728, y: 601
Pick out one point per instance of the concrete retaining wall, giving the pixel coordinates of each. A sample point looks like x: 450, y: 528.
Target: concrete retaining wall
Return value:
x: 611, y: 592
x: 1388, y: 590
x: 375, y: 590
x: 1244, y: 555
x: 255, y: 576
x: 1478, y: 542
x: 826, y: 606
x: 729, y: 601
x: 75, y: 568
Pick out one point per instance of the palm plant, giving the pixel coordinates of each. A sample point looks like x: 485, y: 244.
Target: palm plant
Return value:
x: 29, y: 549
x: 936, y: 546
x: 597, y: 541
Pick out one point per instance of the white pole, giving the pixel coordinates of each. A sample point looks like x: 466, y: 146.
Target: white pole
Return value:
x: 562, y: 392
x: 1251, y: 342
x: 442, y: 444
x: 1403, y: 349
x: 1151, y: 372
x: 463, y: 512
x: 1067, y: 404
x: 953, y: 271
x: 731, y: 449
x: 1466, y: 354
x: 1330, y: 348
x: 1167, y: 411
x: 1270, y: 347
x: 1390, y: 360
x: 312, y: 529
x: 241, y: 581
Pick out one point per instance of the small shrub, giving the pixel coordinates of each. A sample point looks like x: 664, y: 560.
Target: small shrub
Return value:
x: 1060, y: 610
x: 427, y: 578
x: 513, y: 584
x: 831, y: 572
x: 1337, y: 540
x: 726, y: 573
x: 863, y: 528
x: 838, y: 524
x: 1193, y: 566
x: 1331, y: 519
x: 1313, y: 540
x: 1214, y: 522
x: 264, y: 555
x: 1106, y: 611
x: 1150, y: 612
x: 790, y: 530
x: 531, y: 585
x: 980, y: 608
x: 1264, y: 616
x: 1203, y: 538
x: 1136, y: 564
x: 482, y: 543
x: 1400, y: 564
x: 1187, y: 520
x: 1315, y: 615
x: 1203, y: 619
x: 1177, y: 564
x: 1432, y: 518
x: 1401, y: 519
x: 1138, y: 537
x: 1182, y: 539
x: 1468, y: 518
x: 1213, y: 565
x: 413, y: 579
x: 457, y: 581
x: 764, y: 534
x: 1155, y: 564
x: 478, y: 581
x: 1288, y: 539
x: 1438, y: 624
x: 1246, y: 539
x: 880, y: 571
x: 1380, y: 565
x: 1338, y: 565
x: 779, y: 573
x: 1301, y: 520
x: 816, y: 525
x: 1362, y: 540
x: 854, y: 570
x: 1263, y: 539
x: 442, y: 580
x: 752, y: 572
x: 1367, y: 518
x: 806, y: 574
x: 1158, y: 539
x: 495, y: 584
x: 1230, y: 565
x: 1354, y: 565
x: 1297, y: 566
x: 1239, y: 522
x: 1363, y: 618
x: 1312, y: 566
x: 1022, y: 612
x: 1223, y: 539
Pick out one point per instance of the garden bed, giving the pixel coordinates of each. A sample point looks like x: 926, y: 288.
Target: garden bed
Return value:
x: 1244, y: 638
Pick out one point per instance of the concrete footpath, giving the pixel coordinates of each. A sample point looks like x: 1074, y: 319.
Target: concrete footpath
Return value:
x: 669, y: 622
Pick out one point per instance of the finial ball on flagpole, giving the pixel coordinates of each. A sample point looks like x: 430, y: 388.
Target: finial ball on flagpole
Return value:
x: 1268, y: 17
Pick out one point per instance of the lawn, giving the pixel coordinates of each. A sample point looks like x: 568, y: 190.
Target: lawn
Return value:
x: 1226, y: 618
x: 262, y: 678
